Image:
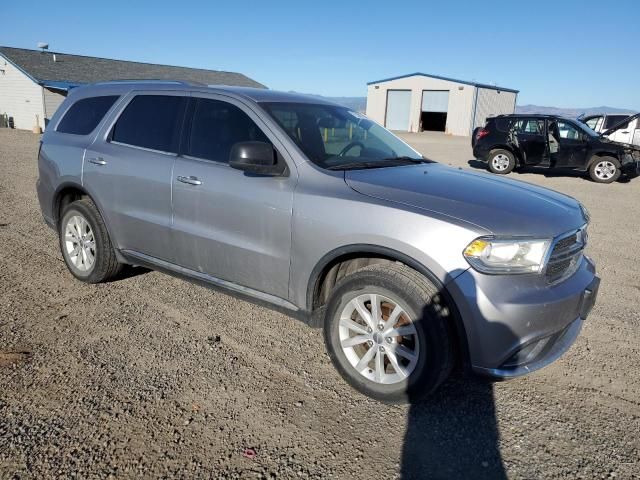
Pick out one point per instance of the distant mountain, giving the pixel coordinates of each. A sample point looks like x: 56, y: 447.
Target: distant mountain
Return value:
x: 569, y: 112
x: 359, y: 104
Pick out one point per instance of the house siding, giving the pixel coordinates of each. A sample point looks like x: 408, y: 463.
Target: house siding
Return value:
x: 20, y: 97
x: 52, y: 101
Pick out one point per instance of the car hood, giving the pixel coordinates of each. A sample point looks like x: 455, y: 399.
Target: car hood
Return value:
x: 497, y: 205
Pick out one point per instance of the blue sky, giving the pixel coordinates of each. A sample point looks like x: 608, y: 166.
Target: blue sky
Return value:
x: 563, y: 53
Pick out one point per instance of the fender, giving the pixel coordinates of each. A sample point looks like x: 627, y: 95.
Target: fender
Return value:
x: 363, y: 249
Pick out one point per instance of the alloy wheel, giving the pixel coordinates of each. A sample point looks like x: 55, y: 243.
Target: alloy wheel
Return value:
x: 605, y: 170
x: 378, y: 338
x: 79, y: 243
x: 500, y: 162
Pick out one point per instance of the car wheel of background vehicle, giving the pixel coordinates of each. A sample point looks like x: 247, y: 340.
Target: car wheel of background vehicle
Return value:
x: 85, y: 244
x: 501, y: 161
x: 387, y: 334
x: 605, y: 170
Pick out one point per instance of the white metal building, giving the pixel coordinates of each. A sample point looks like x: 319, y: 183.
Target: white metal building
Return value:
x: 421, y: 102
x: 34, y: 83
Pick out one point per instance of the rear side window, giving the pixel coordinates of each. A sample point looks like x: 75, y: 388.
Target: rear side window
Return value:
x: 532, y: 126
x: 151, y: 121
x: 503, y: 124
x: 613, y: 120
x: 216, y: 127
x: 85, y: 115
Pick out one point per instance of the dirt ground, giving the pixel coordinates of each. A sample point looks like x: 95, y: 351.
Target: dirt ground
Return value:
x: 151, y: 376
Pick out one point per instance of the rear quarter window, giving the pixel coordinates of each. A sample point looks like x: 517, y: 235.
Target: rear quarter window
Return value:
x: 85, y: 115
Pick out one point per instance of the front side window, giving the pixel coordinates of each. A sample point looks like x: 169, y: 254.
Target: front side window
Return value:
x: 85, y: 115
x: 568, y: 131
x: 335, y: 137
x: 151, y: 121
x: 216, y: 127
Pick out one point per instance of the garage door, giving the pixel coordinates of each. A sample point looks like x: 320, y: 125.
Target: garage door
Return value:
x: 398, y: 110
x: 435, y: 101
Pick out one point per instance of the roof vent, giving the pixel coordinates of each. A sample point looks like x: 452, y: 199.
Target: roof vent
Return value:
x: 43, y: 46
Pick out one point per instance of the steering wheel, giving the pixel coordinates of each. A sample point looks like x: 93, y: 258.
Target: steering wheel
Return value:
x: 344, y: 151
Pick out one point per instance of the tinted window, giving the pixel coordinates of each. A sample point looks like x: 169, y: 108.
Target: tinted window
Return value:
x: 151, y: 121
x: 613, y: 120
x: 85, y: 115
x: 216, y: 127
x: 504, y: 124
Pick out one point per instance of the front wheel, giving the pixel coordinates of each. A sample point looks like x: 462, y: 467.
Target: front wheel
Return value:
x: 386, y: 333
x: 605, y: 170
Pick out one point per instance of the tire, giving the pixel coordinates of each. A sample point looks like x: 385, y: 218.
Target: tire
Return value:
x: 501, y: 162
x: 605, y: 170
x: 83, y: 216
x: 425, y: 334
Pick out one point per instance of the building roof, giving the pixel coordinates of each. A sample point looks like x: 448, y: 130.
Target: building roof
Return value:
x: 68, y: 71
x: 465, y: 82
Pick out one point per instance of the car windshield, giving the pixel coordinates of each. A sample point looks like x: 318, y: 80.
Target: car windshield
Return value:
x: 584, y: 128
x: 337, y: 138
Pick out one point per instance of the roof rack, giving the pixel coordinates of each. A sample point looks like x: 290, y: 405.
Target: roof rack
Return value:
x: 148, y: 80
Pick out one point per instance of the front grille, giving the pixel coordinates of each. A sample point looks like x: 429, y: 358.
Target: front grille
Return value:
x: 565, y: 256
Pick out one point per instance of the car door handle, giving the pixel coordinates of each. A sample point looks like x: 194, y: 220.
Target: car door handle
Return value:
x: 191, y: 180
x: 98, y: 161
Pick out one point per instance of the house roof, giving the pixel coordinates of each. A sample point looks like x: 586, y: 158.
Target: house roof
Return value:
x: 465, y: 82
x: 72, y: 70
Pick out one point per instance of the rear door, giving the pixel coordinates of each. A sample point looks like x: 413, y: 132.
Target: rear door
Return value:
x: 531, y: 140
x: 228, y: 224
x: 128, y: 170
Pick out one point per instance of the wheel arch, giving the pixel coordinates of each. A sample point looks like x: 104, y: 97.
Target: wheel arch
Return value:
x: 350, y: 257
x: 510, y: 148
x: 69, y: 192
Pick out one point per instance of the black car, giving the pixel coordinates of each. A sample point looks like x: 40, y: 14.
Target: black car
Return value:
x: 510, y: 141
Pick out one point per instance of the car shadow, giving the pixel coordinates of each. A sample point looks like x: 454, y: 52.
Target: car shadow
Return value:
x: 454, y: 434
x: 129, y: 271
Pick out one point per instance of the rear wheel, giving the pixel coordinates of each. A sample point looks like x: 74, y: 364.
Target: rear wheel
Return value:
x: 387, y: 334
x: 605, y: 170
x: 85, y: 243
x: 501, y: 161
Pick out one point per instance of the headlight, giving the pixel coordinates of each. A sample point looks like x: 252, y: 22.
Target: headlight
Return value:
x: 585, y: 213
x: 496, y: 255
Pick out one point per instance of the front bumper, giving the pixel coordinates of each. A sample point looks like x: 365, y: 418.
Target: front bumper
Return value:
x: 518, y: 324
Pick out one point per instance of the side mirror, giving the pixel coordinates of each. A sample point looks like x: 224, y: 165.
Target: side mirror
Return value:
x: 255, y: 157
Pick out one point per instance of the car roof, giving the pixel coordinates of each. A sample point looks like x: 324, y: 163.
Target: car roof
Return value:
x: 533, y: 115
x: 248, y: 93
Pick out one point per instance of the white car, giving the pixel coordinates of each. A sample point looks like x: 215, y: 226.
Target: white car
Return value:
x: 619, y: 128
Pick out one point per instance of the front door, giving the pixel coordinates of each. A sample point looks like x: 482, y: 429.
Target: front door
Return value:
x: 567, y: 144
x: 128, y: 169
x: 228, y: 224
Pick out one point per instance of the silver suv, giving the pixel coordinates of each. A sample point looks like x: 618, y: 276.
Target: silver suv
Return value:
x: 411, y: 267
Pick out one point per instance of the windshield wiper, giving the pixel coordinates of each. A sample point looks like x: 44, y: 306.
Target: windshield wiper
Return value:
x: 381, y: 163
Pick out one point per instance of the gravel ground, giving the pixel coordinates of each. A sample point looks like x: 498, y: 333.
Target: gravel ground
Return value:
x: 151, y: 376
